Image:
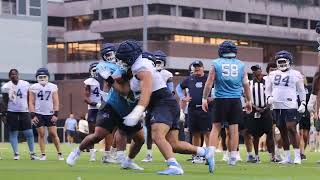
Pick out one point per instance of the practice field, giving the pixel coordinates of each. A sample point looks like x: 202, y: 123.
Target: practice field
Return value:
x: 52, y: 169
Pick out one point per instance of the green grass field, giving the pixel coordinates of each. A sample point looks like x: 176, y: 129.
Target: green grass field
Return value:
x: 52, y: 169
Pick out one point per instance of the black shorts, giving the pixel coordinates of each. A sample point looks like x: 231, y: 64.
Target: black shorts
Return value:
x: 92, y: 115
x: 243, y: 121
x: 109, y: 119
x: 227, y: 110
x: 71, y: 133
x: 199, y: 121
x: 283, y: 116
x: 44, y: 120
x: 18, y: 121
x: 164, y: 108
x: 304, y: 122
x: 258, y: 126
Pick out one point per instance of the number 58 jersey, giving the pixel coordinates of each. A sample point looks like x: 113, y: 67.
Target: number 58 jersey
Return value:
x: 43, y: 97
x: 284, y: 87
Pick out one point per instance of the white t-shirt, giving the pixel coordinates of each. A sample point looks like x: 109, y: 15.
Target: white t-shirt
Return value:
x: 83, y: 126
x: 143, y: 64
x: 18, y: 95
x: 165, y: 74
x: 44, y: 97
x: 95, y: 95
x: 284, y: 87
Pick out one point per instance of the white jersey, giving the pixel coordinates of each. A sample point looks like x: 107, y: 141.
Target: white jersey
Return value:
x: 18, y: 95
x: 95, y: 95
x: 165, y: 74
x: 284, y: 87
x: 143, y: 64
x: 44, y: 97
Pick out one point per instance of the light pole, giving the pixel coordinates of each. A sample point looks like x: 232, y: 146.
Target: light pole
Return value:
x: 145, y: 25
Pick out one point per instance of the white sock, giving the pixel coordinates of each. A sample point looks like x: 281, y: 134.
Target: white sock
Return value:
x: 233, y: 154
x: 172, y: 160
x: 113, y: 149
x: 201, y: 151
x: 212, y: 151
x: 77, y: 150
x: 287, y: 154
x: 106, y: 153
x: 149, y: 152
x: 297, y: 152
x: 129, y: 160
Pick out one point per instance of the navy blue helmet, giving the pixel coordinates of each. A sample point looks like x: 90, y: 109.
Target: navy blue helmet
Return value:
x: 128, y: 51
x: 283, y: 59
x: 161, y: 59
x: 92, y: 69
x: 149, y: 55
x: 42, y: 71
x: 107, y: 52
x: 227, y: 47
x: 318, y: 27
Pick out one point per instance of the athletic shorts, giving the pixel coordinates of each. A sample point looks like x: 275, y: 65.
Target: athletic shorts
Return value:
x: 164, y: 108
x: 44, y: 120
x: 18, y: 121
x: 258, y: 126
x: 92, y: 115
x: 199, y: 121
x: 304, y: 122
x: 283, y: 116
x: 227, y: 110
x: 108, y: 119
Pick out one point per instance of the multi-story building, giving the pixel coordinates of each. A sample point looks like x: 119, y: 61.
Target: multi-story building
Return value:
x: 186, y: 30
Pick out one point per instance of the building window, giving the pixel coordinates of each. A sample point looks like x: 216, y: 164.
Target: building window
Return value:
x: 189, y: 12
x: 313, y: 24
x: 162, y: 9
x: 257, y: 19
x: 55, y: 45
x: 22, y: 7
x: 96, y: 15
x: 278, y: 21
x: 9, y: 7
x: 212, y: 14
x: 55, y: 21
x: 122, y: 12
x: 35, y: 8
x: 299, y: 23
x: 235, y: 16
x: 137, y: 11
x: 78, y: 22
x: 188, y: 39
x: 107, y: 14
x: 83, y: 50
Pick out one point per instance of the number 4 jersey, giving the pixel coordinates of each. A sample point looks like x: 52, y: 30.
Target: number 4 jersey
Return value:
x: 94, y: 91
x: 43, y: 97
x: 284, y: 88
x: 18, y: 96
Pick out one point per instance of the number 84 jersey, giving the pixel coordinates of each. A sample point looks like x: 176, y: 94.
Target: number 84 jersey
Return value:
x: 284, y: 88
x: 43, y: 97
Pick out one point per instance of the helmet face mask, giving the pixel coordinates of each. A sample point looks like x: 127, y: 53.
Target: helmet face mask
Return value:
x: 159, y: 65
x: 283, y: 64
x: 42, y: 79
x: 93, y: 72
x: 110, y: 57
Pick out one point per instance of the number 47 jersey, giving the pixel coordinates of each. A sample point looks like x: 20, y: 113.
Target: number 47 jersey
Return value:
x: 284, y: 88
x: 43, y: 97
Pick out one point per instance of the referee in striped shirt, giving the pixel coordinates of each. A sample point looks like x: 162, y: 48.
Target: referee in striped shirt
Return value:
x: 261, y: 116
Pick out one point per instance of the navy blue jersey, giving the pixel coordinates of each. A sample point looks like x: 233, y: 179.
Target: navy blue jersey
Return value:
x: 195, y: 85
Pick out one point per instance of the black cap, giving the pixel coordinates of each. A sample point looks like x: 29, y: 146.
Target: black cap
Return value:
x: 197, y: 62
x: 255, y: 67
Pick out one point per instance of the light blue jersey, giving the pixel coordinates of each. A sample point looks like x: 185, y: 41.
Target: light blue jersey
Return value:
x: 123, y: 106
x: 229, y: 77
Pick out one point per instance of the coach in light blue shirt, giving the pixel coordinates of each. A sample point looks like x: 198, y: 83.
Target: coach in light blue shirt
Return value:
x: 70, y: 127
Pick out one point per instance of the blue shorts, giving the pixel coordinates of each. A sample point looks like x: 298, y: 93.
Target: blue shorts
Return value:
x: 44, y: 120
x: 164, y: 108
x: 283, y: 116
x: 71, y: 133
x: 92, y: 115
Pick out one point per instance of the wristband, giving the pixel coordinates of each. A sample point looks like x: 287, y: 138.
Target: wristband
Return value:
x: 32, y: 115
x: 56, y: 113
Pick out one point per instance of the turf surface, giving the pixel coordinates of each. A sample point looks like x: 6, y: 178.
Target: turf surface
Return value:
x: 52, y: 169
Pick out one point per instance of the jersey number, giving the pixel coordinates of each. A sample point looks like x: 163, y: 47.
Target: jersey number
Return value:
x: 279, y: 80
x: 19, y: 94
x: 230, y: 70
x: 46, y: 94
x: 96, y: 92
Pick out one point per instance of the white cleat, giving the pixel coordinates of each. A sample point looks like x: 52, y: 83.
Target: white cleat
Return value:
x: 73, y: 156
x: 286, y: 161
x: 198, y: 160
x: 148, y: 158
x: 238, y: 157
x: 225, y: 158
x: 42, y: 158
x: 16, y: 157
x: 92, y: 155
x: 60, y: 157
x: 131, y: 165
x: 297, y: 160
